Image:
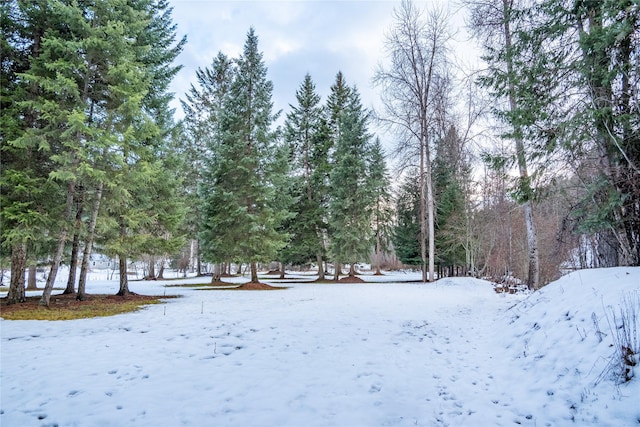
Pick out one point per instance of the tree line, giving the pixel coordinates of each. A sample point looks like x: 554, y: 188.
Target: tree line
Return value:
x: 92, y: 156
x: 298, y: 193
x: 87, y: 135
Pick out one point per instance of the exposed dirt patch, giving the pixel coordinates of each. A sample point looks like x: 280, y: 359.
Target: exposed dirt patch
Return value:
x: 257, y: 286
x: 351, y: 279
x: 220, y: 283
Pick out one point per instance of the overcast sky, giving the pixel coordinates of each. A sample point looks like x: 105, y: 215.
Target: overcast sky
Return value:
x: 296, y: 37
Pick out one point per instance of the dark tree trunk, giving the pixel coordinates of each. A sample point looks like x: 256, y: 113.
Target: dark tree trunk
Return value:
x: 122, y: 264
x: 18, y: 264
x: 338, y: 268
x: 124, y: 278
x: 73, y: 263
x: 321, y: 268
x: 75, y: 245
x: 198, y: 260
x: 254, y: 272
x: 352, y: 269
x: 282, y: 272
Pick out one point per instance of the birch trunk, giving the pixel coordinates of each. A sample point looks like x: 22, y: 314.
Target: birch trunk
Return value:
x: 533, y: 276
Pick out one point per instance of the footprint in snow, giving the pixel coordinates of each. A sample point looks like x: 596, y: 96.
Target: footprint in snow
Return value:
x: 375, y: 388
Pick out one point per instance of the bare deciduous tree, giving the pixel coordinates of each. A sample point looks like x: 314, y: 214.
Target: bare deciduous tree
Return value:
x: 416, y: 46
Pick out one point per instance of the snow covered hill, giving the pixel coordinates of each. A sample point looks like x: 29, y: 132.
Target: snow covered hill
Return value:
x: 376, y: 354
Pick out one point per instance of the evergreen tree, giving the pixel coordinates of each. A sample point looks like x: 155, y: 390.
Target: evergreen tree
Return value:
x: 351, y: 196
x: 93, y: 101
x: 27, y: 197
x: 588, y: 118
x: 203, y: 107
x: 449, y: 171
x: 603, y: 126
x: 241, y: 217
x: 406, y: 230
x: 381, y: 212
x: 336, y: 104
x: 308, y: 145
x: 149, y: 215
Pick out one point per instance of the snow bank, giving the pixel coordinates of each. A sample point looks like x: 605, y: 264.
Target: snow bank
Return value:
x: 562, y: 336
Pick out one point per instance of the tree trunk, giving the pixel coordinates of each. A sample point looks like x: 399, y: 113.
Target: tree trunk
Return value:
x: 73, y: 263
x: 431, y: 220
x: 336, y: 274
x: 218, y: 269
x: 152, y: 268
x: 75, y: 246
x: 532, y: 239
x: 423, y: 215
x: 321, y: 268
x: 378, y: 250
x: 18, y: 264
x: 122, y: 263
x: 198, y: 260
x: 161, y: 272
x: 352, y: 269
x: 254, y: 273
x: 124, y: 278
x: 91, y: 232
x: 31, y: 278
x: 62, y: 240
x: 282, y: 270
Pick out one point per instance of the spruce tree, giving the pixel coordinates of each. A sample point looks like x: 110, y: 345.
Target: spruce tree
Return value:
x: 241, y: 217
x: 308, y: 145
x: 406, y: 230
x: 149, y: 215
x: 336, y: 104
x: 449, y: 171
x: 202, y: 107
x: 27, y: 196
x: 381, y: 210
x: 351, y: 196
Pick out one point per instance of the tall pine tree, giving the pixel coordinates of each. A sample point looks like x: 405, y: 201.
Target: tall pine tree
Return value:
x: 203, y: 108
x: 406, y: 230
x: 381, y: 209
x: 351, y: 195
x: 305, y: 132
x: 241, y: 216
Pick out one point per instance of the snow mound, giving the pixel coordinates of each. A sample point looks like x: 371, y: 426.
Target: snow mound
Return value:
x: 565, y: 335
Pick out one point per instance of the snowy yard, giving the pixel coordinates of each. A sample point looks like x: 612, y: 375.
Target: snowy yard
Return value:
x: 378, y: 354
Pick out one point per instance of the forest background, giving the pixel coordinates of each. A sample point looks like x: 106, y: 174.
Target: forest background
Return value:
x: 520, y: 168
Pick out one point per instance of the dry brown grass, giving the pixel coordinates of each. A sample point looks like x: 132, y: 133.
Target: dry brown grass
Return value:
x: 67, y: 307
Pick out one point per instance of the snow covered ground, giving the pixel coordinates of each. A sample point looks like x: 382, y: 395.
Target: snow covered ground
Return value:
x: 377, y: 354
